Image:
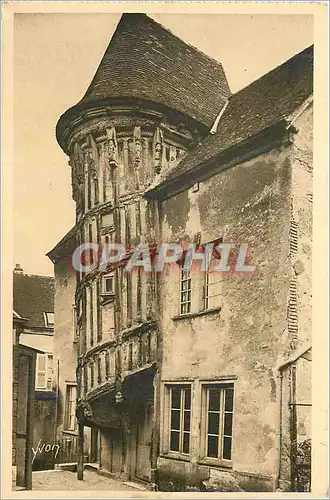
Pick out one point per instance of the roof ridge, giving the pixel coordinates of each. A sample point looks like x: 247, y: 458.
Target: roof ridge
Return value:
x: 34, y: 275
x: 306, y: 49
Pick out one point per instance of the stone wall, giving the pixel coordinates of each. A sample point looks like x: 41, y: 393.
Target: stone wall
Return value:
x: 248, y: 203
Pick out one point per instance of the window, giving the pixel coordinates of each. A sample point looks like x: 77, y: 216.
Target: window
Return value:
x: 212, y: 289
x: 185, y: 291
x: 70, y: 408
x: 49, y: 319
x: 44, y: 372
x: 76, y: 323
x: 180, y: 410
x: 108, y: 284
x: 218, y: 401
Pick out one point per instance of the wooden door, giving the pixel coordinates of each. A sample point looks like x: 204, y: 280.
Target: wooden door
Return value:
x: 24, y: 424
x: 144, y: 442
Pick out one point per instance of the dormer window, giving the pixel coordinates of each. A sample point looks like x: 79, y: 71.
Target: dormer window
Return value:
x: 49, y: 319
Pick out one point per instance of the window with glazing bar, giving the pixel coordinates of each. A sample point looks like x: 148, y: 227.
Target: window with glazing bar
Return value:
x: 70, y: 408
x: 218, y: 421
x: 180, y: 413
x: 185, y: 291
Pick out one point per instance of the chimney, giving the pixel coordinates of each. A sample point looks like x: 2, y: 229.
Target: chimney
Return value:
x: 18, y: 269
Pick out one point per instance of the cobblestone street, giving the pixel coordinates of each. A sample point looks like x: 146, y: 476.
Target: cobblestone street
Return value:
x: 58, y: 480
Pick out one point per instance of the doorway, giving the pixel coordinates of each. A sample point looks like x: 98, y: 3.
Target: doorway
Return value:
x: 144, y: 442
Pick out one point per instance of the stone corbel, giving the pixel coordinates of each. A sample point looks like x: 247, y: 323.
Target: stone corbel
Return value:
x: 112, y: 146
x: 158, y: 150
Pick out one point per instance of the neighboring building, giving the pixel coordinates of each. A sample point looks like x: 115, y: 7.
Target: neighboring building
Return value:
x: 24, y: 365
x: 65, y: 353
x: 33, y: 299
x: 193, y: 379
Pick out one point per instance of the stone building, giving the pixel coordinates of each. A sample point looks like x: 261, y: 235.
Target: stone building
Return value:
x: 33, y: 300
x: 194, y: 379
x: 65, y: 355
x: 24, y: 364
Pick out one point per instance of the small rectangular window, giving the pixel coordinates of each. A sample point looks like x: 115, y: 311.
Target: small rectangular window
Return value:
x: 44, y: 372
x: 180, y: 417
x: 49, y: 319
x: 185, y: 291
x: 108, y: 284
x: 70, y: 408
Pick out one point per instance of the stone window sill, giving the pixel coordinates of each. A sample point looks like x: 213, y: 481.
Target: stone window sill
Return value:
x: 176, y: 456
x: 220, y: 464
x: 196, y: 314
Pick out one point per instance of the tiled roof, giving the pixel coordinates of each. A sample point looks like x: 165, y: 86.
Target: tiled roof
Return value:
x: 33, y: 295
x: 146, y: 61
x: 263, y: 103
x: 64, y: 247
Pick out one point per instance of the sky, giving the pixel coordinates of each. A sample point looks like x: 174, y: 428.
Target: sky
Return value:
x: 55, y: 59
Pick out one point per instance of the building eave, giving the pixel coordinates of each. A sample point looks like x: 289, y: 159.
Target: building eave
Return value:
x: 262, y: 142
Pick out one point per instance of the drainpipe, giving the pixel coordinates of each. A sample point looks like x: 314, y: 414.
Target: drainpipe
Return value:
x: 278, y: 443
x: 56, y: 400
x: 279, y: 377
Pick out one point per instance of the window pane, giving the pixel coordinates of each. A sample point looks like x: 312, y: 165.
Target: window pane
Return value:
x: 212, y: 446
x: 227, y: 448
x: 41, y: 362
x: 213, y: 423
x: 228, y: 424
x: 176, y: 398
x: 50, y: 361
x: 108, y: 284
x: 188, y: 307
x: 229, y: 399
x: 175, y: 419
x: 186, y: 438
x: 175, y: 441
x: 187, y: 400
x: 186, y: 424
x: 214, y: 399
x: 41, y: 380
x: 73, y: 393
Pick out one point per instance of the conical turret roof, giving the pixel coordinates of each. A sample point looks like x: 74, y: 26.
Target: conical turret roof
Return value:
x: 146, y: 61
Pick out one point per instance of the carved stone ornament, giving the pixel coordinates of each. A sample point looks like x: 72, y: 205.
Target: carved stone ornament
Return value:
x: 158, y: 150
x: 137, y: 146
x: 112, y: 146
x: 88, y: 413
x: 119, y: 398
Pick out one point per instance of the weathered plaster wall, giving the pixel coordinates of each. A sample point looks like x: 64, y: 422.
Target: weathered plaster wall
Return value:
x: 42, y: 341
x: 249, y: 203
x: 65, y: 349
x: 302, y: 215
x: 300, y: 298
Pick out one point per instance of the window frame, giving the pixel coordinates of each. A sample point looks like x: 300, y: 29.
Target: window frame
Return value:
x: 48, y: 372
x: 206, y: 287
x: 222, y: 385
x: 105, y: 277
x: 67, y: 415
x: 185, y: 277
x: 49, y: 324
x: 166, y: 416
